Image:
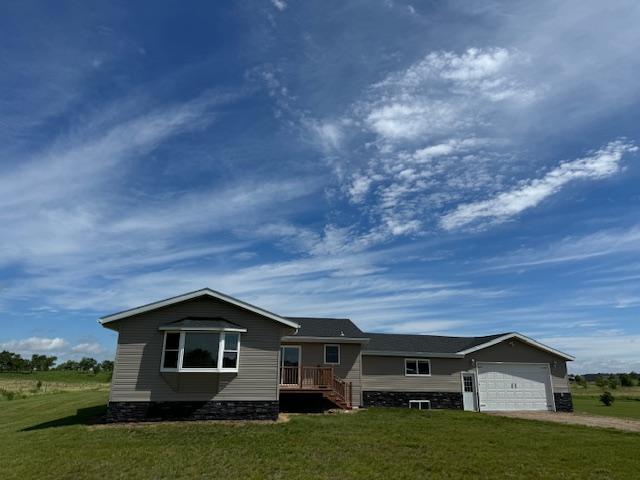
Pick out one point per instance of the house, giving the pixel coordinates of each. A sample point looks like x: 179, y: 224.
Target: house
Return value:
x: 206, y: 355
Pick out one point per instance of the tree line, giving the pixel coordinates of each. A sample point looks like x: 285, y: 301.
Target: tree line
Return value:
x: 611, y: 381
x: 13, y: 362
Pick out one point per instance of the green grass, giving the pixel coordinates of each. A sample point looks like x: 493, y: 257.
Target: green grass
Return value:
x: 623, y: 408
x: 64, y: 376
x: 626, y: 405
x: 46, y: 436
x: 20, y: 385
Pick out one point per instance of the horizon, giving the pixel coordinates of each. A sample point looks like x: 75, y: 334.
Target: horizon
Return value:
x: 440, y: 169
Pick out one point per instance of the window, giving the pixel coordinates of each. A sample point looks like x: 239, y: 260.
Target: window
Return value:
x: 420, y: 404
x: 468, y: 383
x: 230, y: 352
x: 171, y: 350
x: 332, y: 354
x: 413, y: 366
x: 200, y: 352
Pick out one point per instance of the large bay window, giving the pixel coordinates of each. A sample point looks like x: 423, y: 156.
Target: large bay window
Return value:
x: 200, y: 352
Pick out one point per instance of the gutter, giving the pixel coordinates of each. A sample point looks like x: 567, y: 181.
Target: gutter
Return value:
x: 390, y: 353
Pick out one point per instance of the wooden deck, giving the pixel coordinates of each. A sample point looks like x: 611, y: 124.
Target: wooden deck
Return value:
x: 317, y: 379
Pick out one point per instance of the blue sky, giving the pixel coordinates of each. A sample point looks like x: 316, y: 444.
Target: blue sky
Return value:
x: 420, y: 167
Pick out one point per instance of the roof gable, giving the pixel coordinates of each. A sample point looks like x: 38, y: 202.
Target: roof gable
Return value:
x: 205, y: 292
x: 522, y: 338
x: 216, y: 324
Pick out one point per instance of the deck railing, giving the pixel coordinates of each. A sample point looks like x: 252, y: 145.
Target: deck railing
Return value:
x: 316, y: 378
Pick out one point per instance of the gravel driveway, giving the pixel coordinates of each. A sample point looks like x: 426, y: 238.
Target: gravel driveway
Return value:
x: 576, y: 419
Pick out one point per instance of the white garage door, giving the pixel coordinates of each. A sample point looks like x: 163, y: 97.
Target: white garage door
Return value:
x: 514, y: 386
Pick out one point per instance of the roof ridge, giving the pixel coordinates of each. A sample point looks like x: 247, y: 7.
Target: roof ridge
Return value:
x: 440, y: 336
x: 321, y: 318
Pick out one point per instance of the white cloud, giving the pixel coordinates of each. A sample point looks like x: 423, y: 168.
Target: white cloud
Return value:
x: 80, y: 162
x: 88, y: 348
x: 573, y: 249
x: 57, y: 346
x: 602, y: 352
x: 443, y: 93
x: 601, y: 164
x: 36, y: 345
x: 279, y: 4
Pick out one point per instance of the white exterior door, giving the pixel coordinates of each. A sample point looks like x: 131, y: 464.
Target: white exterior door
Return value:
x: 514, y: 386
x: 469, y: 391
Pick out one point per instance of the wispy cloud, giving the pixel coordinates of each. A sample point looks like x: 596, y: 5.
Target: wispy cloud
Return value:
x: 36, y: 345
x: 437, y: 95
x: 88, y: 348
x: 572, y: 249
x: 601, y: 164
x: 60, y: 347
x: 279, y: 4
x: 602, y: 352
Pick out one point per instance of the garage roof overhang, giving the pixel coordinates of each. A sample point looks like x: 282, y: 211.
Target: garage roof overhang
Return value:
x: 522, y: 338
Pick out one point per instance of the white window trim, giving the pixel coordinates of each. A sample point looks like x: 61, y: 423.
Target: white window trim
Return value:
x: 221, y: 350
x: 417, y: 374
x: 325, y: 353
x: 420, y: 402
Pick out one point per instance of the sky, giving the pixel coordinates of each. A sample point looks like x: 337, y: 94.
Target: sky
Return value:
x: 450, y: 168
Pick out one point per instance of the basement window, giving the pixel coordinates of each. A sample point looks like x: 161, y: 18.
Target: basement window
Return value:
x: 200, y: 352
x: 417, y: 367
x: 420, y: 404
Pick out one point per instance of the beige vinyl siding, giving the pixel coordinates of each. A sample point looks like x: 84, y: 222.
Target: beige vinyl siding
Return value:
x: 386, y: 374
x: 350, y: 363
x: 137, y: 375
x: 514, y: 350
x: 381, y: 373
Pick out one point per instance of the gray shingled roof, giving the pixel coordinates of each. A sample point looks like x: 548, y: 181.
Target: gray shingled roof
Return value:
x: 326, y: 327
x: 392, y: 342
x: 198, y: 322
x: 386, y: 342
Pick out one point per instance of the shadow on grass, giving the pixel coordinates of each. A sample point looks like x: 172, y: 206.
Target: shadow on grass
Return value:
x: 83, y: 416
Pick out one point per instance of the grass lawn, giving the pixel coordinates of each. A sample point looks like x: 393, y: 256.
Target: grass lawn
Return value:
x: 622, y: 407
x: 64, y: 376
x: 20, y: 385
x: 627, y: 404
x: 45, y: 436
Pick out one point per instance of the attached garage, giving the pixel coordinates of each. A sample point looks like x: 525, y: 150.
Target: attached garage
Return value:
x: 504, y: 386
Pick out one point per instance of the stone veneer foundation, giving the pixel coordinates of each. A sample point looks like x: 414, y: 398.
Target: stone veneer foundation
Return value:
x: 452, y: 400
x: 564, y: 402
x: 211, y: 410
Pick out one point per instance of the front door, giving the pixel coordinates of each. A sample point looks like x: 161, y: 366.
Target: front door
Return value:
x: 469, y: 392
x: 290, y: 365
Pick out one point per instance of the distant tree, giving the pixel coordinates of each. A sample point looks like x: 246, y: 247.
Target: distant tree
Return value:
x: 19, y: 364
x: 580, y: 380
x: 5, y: 361
x: 88, y: 364
x: 613, y: 382
x: 42, y: 363
x: 625, y: 380
x: 607, y: 398
x: 107, y: 366
x: 601, y: 382
x: 69, y: 365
